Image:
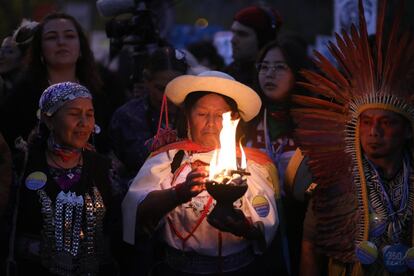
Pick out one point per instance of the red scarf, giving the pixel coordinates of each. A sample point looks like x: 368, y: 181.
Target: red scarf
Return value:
x: 188, y: 145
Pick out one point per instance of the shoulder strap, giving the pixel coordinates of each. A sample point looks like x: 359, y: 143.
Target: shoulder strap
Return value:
x: 177, y: 159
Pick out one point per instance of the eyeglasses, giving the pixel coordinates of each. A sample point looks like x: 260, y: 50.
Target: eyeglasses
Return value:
x: 280, y: 67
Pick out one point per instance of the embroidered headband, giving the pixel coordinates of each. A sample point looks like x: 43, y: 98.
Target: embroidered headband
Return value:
x: 56, y: 95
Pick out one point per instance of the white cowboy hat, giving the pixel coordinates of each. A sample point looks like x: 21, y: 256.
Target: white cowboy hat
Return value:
x: 248, y: 102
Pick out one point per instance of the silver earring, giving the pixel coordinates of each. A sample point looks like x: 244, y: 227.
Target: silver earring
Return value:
x: 96, y: 129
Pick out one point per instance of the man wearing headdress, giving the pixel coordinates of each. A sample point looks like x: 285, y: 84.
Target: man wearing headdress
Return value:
x: 358, y: 138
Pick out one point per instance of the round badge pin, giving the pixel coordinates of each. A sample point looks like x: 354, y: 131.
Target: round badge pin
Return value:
x: 261, y: 205
x: 394, y: 258
x: 36, y: 181
x: 377, y: 225
x: 97, y: 129
x: 366, y: 252
x: 409, y: 258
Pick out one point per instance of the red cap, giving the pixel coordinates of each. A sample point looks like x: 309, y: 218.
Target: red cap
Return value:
x: 260, y: 18
x: 265, y: 21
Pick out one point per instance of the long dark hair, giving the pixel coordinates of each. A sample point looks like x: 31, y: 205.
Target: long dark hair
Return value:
x: 86, y: 69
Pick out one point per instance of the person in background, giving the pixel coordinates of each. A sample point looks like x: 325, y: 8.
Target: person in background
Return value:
x: 10, y: 65
x: 6, y: 181
x: 278, y: 65
x: 134, y: 123
x: 168, y: 197
x: 13, y: 57
x: 59, y: 52
x: 66, y: 215
x: 206, y: 54
x: 5, y: 175
x: 252, y: 28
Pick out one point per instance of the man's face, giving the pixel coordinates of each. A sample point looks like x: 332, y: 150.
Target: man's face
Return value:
x: 244, y: 42
x: 382, y: 133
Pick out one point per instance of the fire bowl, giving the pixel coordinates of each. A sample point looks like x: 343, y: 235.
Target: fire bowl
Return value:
x: 225, y: 195
x: 225, y: 192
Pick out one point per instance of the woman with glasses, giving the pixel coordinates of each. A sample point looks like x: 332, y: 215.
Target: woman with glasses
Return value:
x: 277, y: 69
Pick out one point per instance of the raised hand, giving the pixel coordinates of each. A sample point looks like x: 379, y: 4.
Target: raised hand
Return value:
x: 192, y: 186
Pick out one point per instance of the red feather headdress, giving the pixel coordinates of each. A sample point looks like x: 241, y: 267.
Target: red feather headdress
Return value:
x: 370, y: 75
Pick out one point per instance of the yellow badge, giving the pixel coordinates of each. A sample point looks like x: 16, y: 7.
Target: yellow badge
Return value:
x: 409, y: 258
x: 261, y: 205
x: 36, y: 181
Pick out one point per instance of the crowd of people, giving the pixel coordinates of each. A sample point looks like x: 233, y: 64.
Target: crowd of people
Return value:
x: 98, y: 177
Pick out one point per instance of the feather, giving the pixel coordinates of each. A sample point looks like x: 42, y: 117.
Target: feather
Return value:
x: 325, y: 65
x: 339, y: 56
x: 317, y: 103
x: 378, y: 37
x: 316, y: 112
x: 319, y: 90
x: 320, y: 80
x: 393, y: 51
x: 368, y: 66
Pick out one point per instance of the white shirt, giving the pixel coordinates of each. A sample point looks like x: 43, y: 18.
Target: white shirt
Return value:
x: 258, y: 204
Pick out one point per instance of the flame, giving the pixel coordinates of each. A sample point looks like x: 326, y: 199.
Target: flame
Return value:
x: 243, y: 164
x: 224, y: 160
x: 213, y: 166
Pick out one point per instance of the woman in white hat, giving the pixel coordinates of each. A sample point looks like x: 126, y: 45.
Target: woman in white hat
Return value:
x: 168, y: 195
